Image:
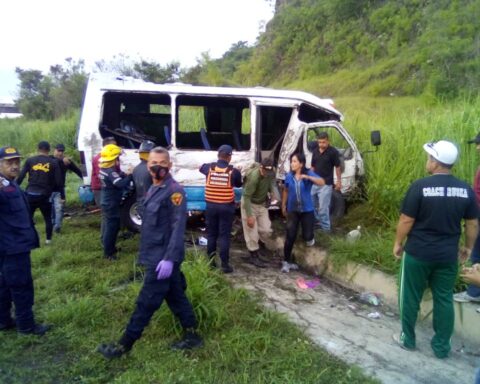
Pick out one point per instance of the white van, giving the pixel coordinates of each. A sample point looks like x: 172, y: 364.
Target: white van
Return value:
x: 194, y: 121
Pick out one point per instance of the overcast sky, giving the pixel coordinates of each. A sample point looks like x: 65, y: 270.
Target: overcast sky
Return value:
x: 38, y: 33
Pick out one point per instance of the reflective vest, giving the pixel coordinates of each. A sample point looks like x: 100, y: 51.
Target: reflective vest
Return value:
x: 219, y: 186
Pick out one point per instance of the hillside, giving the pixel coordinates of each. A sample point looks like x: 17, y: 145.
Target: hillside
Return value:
x: 369, y: 47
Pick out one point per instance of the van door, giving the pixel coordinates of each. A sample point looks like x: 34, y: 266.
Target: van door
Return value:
x: 351, y: 161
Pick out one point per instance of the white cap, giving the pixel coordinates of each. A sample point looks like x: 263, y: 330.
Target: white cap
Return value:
x: 443, y: 151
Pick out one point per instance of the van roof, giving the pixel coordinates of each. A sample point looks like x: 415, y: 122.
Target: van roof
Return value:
x: 112, y: 82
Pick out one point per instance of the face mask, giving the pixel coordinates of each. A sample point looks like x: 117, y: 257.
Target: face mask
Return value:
x: 159, y: 171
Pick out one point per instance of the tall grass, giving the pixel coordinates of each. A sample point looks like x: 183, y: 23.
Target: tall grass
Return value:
x: 406, y: 124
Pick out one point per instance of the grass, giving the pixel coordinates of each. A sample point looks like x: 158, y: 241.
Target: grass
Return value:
x: 89, y: 301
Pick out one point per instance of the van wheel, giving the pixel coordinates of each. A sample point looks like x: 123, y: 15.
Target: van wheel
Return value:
x: 337, y: 206
x: 130, y: 217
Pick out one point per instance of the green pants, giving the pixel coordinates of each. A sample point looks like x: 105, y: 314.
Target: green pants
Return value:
x: 415, y: 276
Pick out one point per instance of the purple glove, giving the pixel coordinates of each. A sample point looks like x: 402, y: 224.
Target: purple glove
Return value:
x: 164, y: 269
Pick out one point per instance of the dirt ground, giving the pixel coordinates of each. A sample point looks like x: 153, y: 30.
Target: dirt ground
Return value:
x: 336, y: 320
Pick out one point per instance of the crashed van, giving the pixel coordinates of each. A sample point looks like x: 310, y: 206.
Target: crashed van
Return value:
x: 194, y: 121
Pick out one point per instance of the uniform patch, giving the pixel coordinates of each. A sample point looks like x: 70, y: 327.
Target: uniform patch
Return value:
x: 176, y: 198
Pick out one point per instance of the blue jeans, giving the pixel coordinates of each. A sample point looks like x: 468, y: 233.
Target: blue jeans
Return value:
x: 57, y: 210
x: 473, y: 290
x: 151, y: 296
x: 321, y: 196
x: 16, y: 286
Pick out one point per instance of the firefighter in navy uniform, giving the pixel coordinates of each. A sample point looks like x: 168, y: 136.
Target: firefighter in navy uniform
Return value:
x: 18, y: 238
x: 114, y: 183
x: 141, y: 176
x: 162, y: 251
x: 220, y: 197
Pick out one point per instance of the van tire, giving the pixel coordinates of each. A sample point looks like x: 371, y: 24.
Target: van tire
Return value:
x: 337, y: 206
x: 129, y: 215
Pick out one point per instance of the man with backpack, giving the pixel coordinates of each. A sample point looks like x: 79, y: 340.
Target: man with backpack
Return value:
x: 259, y: 183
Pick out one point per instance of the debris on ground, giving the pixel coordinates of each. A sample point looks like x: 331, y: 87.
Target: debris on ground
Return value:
x: 371, y: 298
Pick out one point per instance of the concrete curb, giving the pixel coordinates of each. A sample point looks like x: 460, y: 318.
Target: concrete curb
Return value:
x: 366, y: 279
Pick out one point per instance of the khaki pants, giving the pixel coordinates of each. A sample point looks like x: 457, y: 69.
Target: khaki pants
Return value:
x: 262, y: 229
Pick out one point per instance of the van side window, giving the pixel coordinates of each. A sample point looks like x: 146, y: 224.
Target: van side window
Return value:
x: 134, y: 117
x: 207, y: 122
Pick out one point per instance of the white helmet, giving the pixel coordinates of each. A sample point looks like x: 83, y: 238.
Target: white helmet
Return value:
x: 443, y: 151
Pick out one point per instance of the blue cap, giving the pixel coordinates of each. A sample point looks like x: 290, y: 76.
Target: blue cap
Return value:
x: 9, y: 153
x: 225, y: 149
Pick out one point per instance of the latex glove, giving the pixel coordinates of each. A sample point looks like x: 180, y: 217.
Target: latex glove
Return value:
x: 164, y: 269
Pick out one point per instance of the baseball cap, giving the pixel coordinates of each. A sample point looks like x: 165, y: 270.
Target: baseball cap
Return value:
x: 267, y: 165
x: 60, y: 147
x: 146, y: 146
x: 476, y: 140
x: 443, y: 151
x: 9, y: 153
x: 44, y: 145
x: 225, y: 149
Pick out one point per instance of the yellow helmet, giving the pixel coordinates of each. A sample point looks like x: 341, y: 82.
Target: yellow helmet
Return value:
x: 110, y: 152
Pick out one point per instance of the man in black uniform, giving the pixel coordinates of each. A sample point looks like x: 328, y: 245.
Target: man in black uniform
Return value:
x: 325, y: 159
x: 220, y: 197
x: 162, y: 251
x: 58, y: 196
x: 18, y: 238
x: 44, y: 177
x: 430, y: 220
x: 141, y: 176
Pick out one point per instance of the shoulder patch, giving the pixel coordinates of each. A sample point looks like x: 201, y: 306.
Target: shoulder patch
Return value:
x: 176, y: 198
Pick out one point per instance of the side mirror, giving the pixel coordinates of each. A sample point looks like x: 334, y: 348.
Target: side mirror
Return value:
x: 375, y: 138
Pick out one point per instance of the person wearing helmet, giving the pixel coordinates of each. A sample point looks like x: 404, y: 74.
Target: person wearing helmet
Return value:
x: 141, y: 175
x: 430, y: 221
x: 95, y: 183
x: 18, y: 238
x: 113, y: 182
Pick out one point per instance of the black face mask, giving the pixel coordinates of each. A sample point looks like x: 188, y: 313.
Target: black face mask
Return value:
x: 159, y: 171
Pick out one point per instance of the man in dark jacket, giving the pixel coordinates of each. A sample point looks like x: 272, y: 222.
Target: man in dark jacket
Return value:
x: 58, y: 196
x: 18, y: 238
x: 162, y: 251
x: 44, y: 177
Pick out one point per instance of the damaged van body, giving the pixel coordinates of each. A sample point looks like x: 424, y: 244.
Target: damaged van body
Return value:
x: 194, y: 121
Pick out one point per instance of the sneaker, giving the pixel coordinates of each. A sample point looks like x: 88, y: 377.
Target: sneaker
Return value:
x: 285, y: 267
x: 190, y: 340
x: 310, y: 243
x: 293, y: 267
x: 464, y: 297
x: 38, y: 330
x: 396, y: 338
x: 48, y: 241
x: 112, y: 350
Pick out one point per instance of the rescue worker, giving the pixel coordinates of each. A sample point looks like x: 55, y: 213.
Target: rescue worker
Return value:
x: 18, y: 238
x: 220, y: 197
x: 44, y: 177
x: 258, y: 183
x: 95, y: 183
x: 58, y: 196
x: 114, y: 181
x: 141, y: 176
x: 162, y: 251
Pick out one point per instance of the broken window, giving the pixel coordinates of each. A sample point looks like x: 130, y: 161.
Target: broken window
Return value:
x: 134, y: 117
x: 207, y: 122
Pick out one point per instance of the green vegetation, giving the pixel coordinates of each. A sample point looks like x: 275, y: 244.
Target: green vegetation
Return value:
x: 89, y: 301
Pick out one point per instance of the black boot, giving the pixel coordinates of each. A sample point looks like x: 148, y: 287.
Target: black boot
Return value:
x: 115, y: 350
x: 226, y: 268
x: 190, y: 340
x: 37, y: 329
x: 10, y: 324
x: 254, y: 259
